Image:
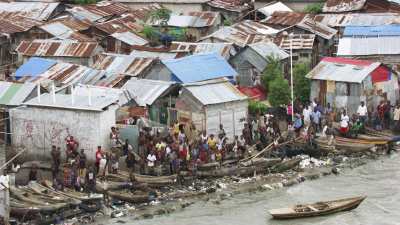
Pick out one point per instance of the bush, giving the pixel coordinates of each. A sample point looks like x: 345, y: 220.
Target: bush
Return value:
x: 314, y: 8
x: 279, y: 92
x: 256, y: 107
x: 272, y: 71
x: 301, y: 84
x: 84, y: 2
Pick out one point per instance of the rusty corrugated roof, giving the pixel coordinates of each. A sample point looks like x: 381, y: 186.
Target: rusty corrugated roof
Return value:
x: 285, y: 18
x: 343, y: 5
x: 144, y: 12
x: 62, y: 48
x: 232, y: 5
x: 251, y: 27
x: 126, y: 22
x: 99, y: 11
x: 73, y: 23
x: 226, y: 50
x: 317, y: 28
x: 15, y: 23
x: 40, y: 11
x: 211, y: 18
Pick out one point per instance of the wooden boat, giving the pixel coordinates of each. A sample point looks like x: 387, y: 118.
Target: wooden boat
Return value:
x: 36, y: 201
x: 131, y: 197
x: 208, y: 166
x: 154, y: 181
x: 102, y: 186
x: 266, y: 162
x: 382, y: 139
x: 344, y: 144
x: 286, y: 165
x: 317, y: 209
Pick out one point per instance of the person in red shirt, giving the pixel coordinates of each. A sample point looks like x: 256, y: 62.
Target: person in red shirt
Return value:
x: 99, y: 156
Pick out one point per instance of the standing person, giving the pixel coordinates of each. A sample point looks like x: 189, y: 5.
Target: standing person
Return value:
x: 316, y: 119
x: 99, y: 156
x: 82, y: 163
x: 246, y: 133
x: 90, y: 180
x: 307, y: 116
x: 289, y: 111
x: 56, y: 157
x: 329, y: 112
x: 386, y: 115
x: 362, y: 112
x: 151, y: 161
x: 212, y: 144
x: 381, y: 113
x: 221, y: 132
x: 396, y: 118
x: 126, y: 147
x: 344, y: 123
x: 114, y: 137
x: 72, y: 146
x: 204, y: 136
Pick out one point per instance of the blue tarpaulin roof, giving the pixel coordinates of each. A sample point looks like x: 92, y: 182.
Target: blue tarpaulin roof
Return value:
x: 374, y: 31
x: 33, y: 67
x: 199, y: 67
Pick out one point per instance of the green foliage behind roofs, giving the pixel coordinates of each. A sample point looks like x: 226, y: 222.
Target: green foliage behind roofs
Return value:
x: 314, y: 8
x: 279, y: 92
x: 301, y: 84
x: 149, y: 32
x: 162, y: 15
x: 256, y: 107
x: 272, y: 71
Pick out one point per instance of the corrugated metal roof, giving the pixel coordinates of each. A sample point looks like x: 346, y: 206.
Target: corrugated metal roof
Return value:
x: 189, y: 20
x: 226, y: 50
x: 40, y: 11
x: 358, y: 19
x: 98, y: 103
x: 99, y: 11
x: 239, y: 38
x: 372, y: 31
x: 73, y: 23
x: 199, y: 67
x: 62, y: 48
x: 123, y: 64
x: 215, y: 92
x: 342, y: 70
x: 126, y: 22
x: 211, y: 18
x: 153, y: 54
x: 130, y: 38
x: 369, y: 46
x: 285, y: 18
x: 146, y: 92
x: 144, y: 12
x: 252, y: 27
x: 270, y: 8
x: 231, y: 5
x: 14, y: 94
x: 65, y: 74
x: 336, y: 6
x: 298, y: 41
x: 317, y: 28
x: 63, y: 32
x: 10, y: 24
x: 165, y: 1
x: 122, y: 96
x: 265, y: 49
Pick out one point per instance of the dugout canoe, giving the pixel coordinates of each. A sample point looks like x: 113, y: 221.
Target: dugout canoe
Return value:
x: 317, y: 209
x: 286, y: 165
x: 154, y: 181
x: 131, y: 197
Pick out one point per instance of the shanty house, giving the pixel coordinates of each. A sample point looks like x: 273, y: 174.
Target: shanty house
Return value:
x: 253, y: 59
x: 39, y: 11
x: 99, y: 12
x: 155, y: 96
x: 232, y: 10
x: 365, y: 6
x: 225, y: 50
x: 380, y: 43
x: 192, y: 69
x: 345, y: 82
x: 194, y: 24
x: 210, y: 103
x: 48, y: 72
x: 61, y: 50
x: 303, y: 47
x: 38, y: 126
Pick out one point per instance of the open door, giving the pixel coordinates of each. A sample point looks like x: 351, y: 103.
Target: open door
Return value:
x: 322, y: 92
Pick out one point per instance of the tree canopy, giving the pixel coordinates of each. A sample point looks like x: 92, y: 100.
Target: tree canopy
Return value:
x: 301, y: 84
x: 272, y: 71
x: 279, y: 92
x: 314, y: 8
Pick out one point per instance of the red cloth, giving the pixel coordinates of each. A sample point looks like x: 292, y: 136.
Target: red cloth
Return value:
x: 344, y: 130
x: 380, y: 74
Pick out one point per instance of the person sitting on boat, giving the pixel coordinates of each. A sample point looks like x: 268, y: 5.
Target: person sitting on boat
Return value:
x: 357, y: 127
x: 344, y: 123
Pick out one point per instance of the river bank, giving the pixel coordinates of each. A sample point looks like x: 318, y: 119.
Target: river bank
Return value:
x: 228, y: 188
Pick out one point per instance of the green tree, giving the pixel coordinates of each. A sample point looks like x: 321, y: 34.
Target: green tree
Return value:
x: 150, y: 33
x: 256, y: 107
x: 314, y: 8
x: 279, y: 92
x: 162, y: 15
x: 84, y: 2
x: 301, y: 84
x: 272, y: 71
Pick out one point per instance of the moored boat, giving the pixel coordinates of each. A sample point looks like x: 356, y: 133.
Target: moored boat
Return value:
x: 317, y: 209
x: 131, y: 197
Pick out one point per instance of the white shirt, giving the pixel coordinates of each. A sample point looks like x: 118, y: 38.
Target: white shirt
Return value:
x: 362, y: 110
x: 396, y: 114
x: 307, y: 114
x: 344, y: 121
x: 151, y: 159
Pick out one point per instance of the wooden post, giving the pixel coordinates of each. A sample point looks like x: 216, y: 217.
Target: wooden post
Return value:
x: 4, y: 191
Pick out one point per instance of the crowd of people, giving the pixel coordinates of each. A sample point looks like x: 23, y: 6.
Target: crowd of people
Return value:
x: 183, y: 147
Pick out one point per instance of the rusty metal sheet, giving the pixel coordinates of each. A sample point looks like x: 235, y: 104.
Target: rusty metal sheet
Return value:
x: 62, y: 48
x: 336, y: 6
x: 232, y: 5
x: 285, y: 18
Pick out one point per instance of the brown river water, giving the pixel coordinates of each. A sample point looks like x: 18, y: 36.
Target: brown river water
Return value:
x: 379, y: 180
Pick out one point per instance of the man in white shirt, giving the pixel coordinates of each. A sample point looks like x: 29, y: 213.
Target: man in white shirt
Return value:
x: 344, y: 122
x: 362, y: 112
x: 307, y: 116
x: 151, y: 159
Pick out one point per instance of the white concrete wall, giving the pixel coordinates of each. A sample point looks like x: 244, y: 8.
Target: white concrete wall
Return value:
x: 37, y: 129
